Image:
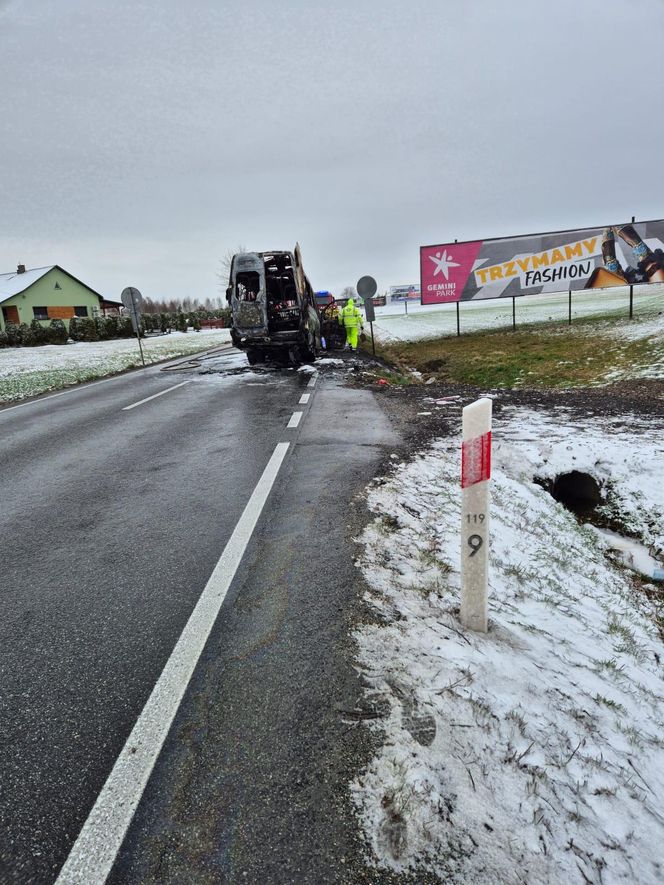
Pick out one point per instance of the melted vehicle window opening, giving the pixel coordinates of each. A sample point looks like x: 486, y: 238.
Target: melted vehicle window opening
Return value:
x: 248, y: 285
x: 282, y: 301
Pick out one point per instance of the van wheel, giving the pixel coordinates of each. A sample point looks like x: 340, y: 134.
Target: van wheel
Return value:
x: 309, y: 350
x: 254, y: 355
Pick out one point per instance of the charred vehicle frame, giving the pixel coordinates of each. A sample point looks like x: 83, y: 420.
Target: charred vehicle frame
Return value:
x: 274, y: 313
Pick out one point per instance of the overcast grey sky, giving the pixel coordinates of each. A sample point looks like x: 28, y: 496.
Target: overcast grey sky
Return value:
x: 141, y: 140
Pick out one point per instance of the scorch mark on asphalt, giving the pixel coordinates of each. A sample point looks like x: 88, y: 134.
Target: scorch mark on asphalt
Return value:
x: 94, y: 852
x: 155, y: 395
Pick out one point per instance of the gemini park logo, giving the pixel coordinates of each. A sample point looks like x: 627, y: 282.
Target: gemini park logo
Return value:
x: 443, y: 262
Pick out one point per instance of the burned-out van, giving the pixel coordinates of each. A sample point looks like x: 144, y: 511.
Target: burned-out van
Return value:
x: 273, y: 307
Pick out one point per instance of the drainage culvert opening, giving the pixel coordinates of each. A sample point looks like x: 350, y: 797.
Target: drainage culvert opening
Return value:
x: 577, y: 491
x: 581, y: 494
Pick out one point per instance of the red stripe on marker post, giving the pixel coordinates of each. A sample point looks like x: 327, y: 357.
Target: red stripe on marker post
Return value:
x: 475, y: 460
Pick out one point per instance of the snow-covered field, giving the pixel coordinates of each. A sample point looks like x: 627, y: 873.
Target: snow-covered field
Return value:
x: 392, y: 323
x: 27, y: 371
x: 535, y: 753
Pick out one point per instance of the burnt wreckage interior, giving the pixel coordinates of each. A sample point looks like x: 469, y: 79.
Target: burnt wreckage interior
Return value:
x: 283, y: 310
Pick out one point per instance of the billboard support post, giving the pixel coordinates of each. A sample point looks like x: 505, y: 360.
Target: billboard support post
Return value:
x: 631, y: 288
x: 513, y: 313
x: 405, y: 304
x: 458, y: 320
x: 569, y: 308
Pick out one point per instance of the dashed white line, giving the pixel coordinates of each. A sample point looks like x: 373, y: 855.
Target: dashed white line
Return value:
x: 296, y: 417
x: 312, y: 380
x: 304, y: 399
x: 155, y: 395
x: 94, y: 852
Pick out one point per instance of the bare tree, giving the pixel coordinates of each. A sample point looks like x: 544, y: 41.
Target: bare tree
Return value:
x: 348, y: 292
x: 224, y: 273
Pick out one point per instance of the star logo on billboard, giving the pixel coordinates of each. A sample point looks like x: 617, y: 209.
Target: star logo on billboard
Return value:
x: 443, y: 263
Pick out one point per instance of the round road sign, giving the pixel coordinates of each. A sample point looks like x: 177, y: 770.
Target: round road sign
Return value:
x: 366, y: 287
x: 131, y: 298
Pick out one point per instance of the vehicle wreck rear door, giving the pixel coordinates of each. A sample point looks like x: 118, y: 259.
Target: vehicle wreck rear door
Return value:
x: 249, y: 300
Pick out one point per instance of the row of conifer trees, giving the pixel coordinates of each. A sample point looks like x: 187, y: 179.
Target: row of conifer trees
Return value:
x: 97, y: 328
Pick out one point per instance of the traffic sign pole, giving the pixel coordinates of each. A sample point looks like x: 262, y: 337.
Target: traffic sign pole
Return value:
x: 136, y: 318
x: 366, y: 289
x: 132, y: 299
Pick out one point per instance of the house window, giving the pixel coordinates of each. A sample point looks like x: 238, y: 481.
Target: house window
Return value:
x: 40, y: 313
x: 80, y: 311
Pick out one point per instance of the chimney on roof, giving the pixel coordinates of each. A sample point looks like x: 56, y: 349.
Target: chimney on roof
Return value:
x: 20, y: 268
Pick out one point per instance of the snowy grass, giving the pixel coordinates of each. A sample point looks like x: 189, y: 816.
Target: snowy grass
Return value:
x: 28, y: 371
x: 598, y: 350
x: 393, y: 324
x: 534, y: 754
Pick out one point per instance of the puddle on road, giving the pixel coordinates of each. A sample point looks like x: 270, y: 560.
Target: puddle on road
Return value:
x: 232, y: 365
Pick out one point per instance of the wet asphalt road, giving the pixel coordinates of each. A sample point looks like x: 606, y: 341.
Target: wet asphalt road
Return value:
x: 112, y: 522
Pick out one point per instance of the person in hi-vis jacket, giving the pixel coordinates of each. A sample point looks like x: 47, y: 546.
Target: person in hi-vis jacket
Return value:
x: 351, y: 319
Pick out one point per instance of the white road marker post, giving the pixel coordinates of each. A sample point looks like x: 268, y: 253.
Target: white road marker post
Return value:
x: 475, y: 476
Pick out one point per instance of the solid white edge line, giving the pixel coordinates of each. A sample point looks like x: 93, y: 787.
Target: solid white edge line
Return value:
x: 155, y: 395
x: 93, y: 854
x: 296, y: 417
x: 304, y: 399
x: 34, y: 402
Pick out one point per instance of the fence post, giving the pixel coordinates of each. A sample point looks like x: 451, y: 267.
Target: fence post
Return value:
x: 569, y: 311
x: 513, y: 313
x: 458, y: 320
x: 475, y: 476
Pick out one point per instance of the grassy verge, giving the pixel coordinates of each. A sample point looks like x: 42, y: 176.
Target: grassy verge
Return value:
x: 541, y: 355
x: 23, y: 382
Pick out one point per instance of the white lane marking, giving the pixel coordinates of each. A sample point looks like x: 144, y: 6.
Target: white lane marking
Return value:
x: 296, y: 417
x: 34, y: 402
x: 312, y: 380
x: 155, y: 395
x: 94, y: 852
x: 304, y: 399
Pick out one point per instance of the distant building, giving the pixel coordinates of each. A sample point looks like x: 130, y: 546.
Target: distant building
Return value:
x: 48, y: 293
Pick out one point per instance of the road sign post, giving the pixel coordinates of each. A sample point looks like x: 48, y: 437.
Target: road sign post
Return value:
x: 132, y: 300
x: 366, y: 289
x: 475, y: 476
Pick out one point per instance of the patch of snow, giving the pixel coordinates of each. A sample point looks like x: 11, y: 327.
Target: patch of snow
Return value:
x: 534, y: 753
x: 434, y: 321
x: 26, y: 371
x: 634, y: 554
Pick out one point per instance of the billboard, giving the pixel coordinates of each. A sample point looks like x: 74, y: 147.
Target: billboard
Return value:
x: 587, y: 258
x: 409, y: 292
